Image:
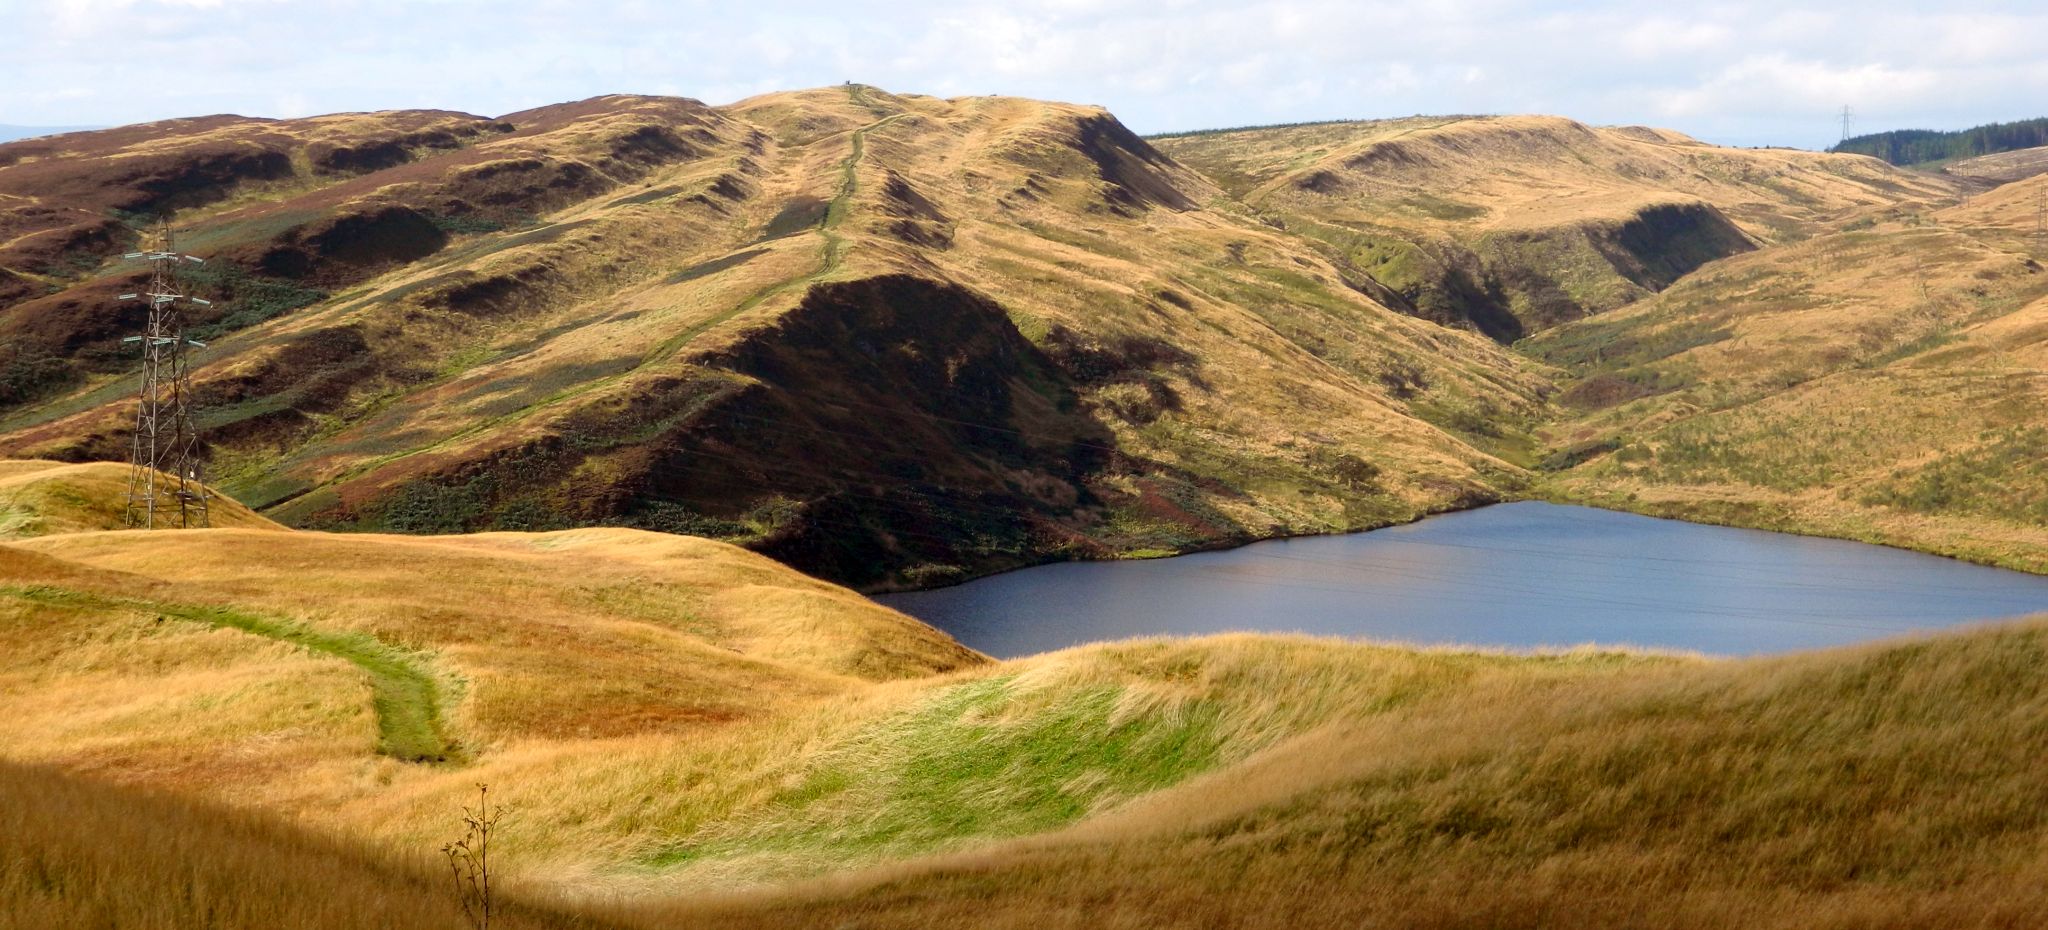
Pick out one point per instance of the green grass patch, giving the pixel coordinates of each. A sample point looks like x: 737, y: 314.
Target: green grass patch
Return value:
x: 1443, y: 209
x: 983, y: 759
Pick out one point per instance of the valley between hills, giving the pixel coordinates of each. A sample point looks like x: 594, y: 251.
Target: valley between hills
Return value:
x: 555, y: 449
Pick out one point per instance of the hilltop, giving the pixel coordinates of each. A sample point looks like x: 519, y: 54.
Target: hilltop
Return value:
x: 1043, y: 337
x: 691, y: 733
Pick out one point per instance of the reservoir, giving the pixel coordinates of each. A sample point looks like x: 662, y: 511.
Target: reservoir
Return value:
x: 1519, y: 576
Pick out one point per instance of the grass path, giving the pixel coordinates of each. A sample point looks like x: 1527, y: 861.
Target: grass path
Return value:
x: 406, y: 696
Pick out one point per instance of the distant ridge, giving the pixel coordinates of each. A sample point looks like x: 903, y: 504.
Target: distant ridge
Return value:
x: 1304, y: 124
x: 10, y: 133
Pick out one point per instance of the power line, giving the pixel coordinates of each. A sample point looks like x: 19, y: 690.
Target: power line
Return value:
x: 165, y: 484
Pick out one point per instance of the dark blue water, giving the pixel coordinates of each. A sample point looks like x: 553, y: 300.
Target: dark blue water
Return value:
x: 1521, y: 575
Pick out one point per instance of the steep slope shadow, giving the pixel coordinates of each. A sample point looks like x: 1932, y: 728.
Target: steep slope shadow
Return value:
x: 904, y: 430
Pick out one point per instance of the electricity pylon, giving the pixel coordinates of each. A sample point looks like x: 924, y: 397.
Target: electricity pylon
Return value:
x: 2041, y: 219
x: 165, y: 474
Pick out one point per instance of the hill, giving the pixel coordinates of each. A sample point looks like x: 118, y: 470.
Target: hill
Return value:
x: 1043, y: 337
x: 1881, y: 382
x: 1512, y: 224
x: 1925, y: 146
x: 44, y: 498
x: 689, y: 733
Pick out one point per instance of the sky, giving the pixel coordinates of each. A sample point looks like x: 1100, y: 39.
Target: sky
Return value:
x: 1747, y: 72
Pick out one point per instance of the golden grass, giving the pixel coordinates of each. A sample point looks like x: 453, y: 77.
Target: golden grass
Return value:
x: 1465, y: 175
x: 78, y: 853
x: 692, y: 734
x: 287, y: 670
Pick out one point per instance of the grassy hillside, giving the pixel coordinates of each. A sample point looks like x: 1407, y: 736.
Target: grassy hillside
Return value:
x: 1882, y: 382
x: 1511, y: 224
x: 843, y: 766
x: 1042, y: 337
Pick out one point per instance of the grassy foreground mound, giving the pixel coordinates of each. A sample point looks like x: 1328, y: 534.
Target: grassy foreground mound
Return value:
x: 247, y: 728
x: 1886, y: 786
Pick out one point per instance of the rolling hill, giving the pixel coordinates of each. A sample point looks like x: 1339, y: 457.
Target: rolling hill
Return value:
x: 1508, y: 225
x: 1037, y: 336
x: 691, y: 734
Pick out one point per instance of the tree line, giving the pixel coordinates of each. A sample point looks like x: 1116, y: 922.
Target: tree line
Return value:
x: 1919, y: 146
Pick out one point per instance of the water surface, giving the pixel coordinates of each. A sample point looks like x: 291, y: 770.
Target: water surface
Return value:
x: 1520, y: 575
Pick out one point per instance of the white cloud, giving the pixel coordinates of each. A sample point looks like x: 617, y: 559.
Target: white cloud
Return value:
x: 1761, y: 83
x: 1738, y: 70
x: 1661, y: 36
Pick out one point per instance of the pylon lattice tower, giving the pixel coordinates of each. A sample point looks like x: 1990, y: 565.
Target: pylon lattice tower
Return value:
x: 2041, y: 219
x: 165, y: 474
